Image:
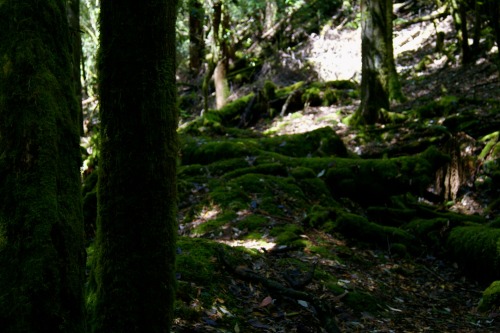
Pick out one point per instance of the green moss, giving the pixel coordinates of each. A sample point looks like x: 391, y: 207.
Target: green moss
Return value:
x: 358, y: 227
x: 302, y: 173
x: 275, y: 169
x: 319, y: 215
x: 432, y: 232
x: 398, y: 249
x: 320, y: 142
x: 376, y: 180
x: 491, y: 298
x: 215, y: 225
x: 252, y: 223
x: 362, y: 302
x: 269, y: 90
x: 391, y: 216
x: 476, y: 249
x: 312, y: 96
x: 284, y: 92
x: 287, y: 234
x: 197, y: 260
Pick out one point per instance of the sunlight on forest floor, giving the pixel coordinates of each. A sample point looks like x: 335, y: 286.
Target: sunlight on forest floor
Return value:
x: 335, y: 54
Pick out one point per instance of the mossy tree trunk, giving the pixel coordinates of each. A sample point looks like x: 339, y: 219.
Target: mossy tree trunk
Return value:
x: 41, y: 228
x: 379, y: 79
x: 73, y: 12
x: 459, y: 13
x: 136, y: 225
x: 196, y: 38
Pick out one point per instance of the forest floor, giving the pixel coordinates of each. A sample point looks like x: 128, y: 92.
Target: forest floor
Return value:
x: 423, y: 293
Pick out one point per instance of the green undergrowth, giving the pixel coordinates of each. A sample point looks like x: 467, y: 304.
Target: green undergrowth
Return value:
x: 202, y: 284
x: 268, y: 102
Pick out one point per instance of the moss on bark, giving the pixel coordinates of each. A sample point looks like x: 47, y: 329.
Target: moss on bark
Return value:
x: 136, y: 232
x: 41, y: 245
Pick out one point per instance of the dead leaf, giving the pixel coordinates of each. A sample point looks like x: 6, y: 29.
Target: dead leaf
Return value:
x: 266, y: 301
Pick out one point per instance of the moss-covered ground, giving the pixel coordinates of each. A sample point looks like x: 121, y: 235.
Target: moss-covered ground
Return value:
x: 372, y: 228
x: 372, y: 235
x: 286, y: 210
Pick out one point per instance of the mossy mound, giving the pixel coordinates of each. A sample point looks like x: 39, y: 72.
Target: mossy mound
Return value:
x: 477, y: 250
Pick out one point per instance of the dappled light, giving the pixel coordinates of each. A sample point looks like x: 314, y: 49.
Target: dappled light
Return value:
x: 283, y: 166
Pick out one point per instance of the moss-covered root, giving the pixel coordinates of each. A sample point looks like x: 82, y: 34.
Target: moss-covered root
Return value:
x: 375, y: 180
x: 358, y: 227
x: 491, y: 298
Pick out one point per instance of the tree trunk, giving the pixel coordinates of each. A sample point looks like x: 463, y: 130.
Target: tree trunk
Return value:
x: 41, y: 228
x: 379, y: 82
x: 73, y: 12
x: 460, y: 19
x: 221, y: 42
x: 196, y: 38
x: 136, y: 227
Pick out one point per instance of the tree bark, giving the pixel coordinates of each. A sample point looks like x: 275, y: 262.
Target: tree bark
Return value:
x: 196, y: 38
x: 136, y: 227
x: 221, y: 42
x: 73, y: 12
x: 41, y: 228
x: 375, y: 71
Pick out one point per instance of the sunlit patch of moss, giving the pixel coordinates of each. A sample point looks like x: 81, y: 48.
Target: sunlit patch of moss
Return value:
x: 214, y: 225
x: 287, y: 234
x: 284, y: 92
x: 491, y: 298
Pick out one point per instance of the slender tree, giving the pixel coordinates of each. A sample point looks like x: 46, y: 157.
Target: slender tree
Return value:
x: 221, y: 50
x: 136, y: 224
x: 41, y: 229
x: 379, y: 79
x: 196, y: 37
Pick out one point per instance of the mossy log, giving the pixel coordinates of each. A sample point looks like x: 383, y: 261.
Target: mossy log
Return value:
x: 376, y: 180
x: 321, y: 143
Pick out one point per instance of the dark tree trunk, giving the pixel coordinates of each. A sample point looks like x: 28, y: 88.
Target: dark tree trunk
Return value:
x: 459, y: 14
x: 136, y: 227
x: 41, y: 229
x: 196, y: 38
x: 379, y: 82
x: 494, y: 18
x: 73, y: 12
